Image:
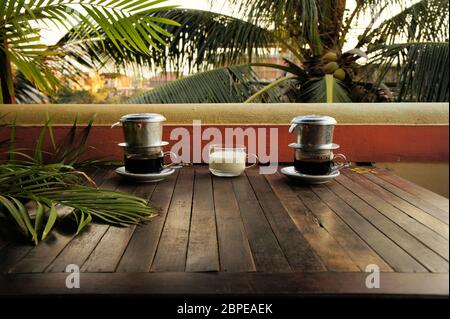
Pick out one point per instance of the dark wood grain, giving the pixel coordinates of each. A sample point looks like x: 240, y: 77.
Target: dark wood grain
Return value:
x: 384, y: 246
x: 296, y: 248
x: 414, y: 200
x: 109, y: 250
x: 111, y: 247
x: 330, y: 251
x: 41, y: 256
x: 141, y: 250
x: 407, y: 242
x: 234, y: 248
x: 356, y: 248
x: 267, y: 254
x: 172, y: 248
x: 80, y: 247
x: 416, y: 190
x: 12, y: 254
x: 430, y: 221
x: 319, y: 284
x: 421, y: 232
x: 251, y: 235
x: 203, y: 254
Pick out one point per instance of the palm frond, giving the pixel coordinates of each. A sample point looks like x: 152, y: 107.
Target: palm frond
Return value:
x: 26, y: 92
x: 47, y: 186
x: 424, y: 21
x: 424, y: 75
x: 203, y: 39
x: 297, y: 19
x: 318, y: 91
x: 119, y: 21
x: 422, y: 69
x: 31, y: 190
x: 233, y: 84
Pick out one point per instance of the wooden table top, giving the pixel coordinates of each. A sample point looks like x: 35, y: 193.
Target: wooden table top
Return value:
x: 255, y: 234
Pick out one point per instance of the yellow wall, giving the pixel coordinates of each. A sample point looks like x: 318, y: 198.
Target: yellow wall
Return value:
x: 364, y: 113
x: 433, y: 176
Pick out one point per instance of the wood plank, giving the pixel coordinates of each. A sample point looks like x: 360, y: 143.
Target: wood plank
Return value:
x: 111, y: 247
x: 12, y: 254
x: 328, y: 284
x: 109, y: 250
x: 172, y: 248
x: 428, y: 258
x: 412, y: 199
x: 361, y: 253
x: 267, y: 253
x: 234, y: 248
x: 426, y: 219
x: 296, y: 248
x: 327, y: 248
x: 416, y: 190
x: 412, y: 226
x: 139, y: 255
x: 396, y: 257
x: 203, y: 254
x: 80, y: 248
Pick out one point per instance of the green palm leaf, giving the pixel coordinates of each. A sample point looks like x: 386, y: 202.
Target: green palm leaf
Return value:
x: 92, y: 22
x: 424, y: 21
x: 317, y: 91
x: 201, y: 39
x: 234, y: 84
x: 424, y: 74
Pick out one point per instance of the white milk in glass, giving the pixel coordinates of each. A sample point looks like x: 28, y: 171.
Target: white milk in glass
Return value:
x: 227, y: 162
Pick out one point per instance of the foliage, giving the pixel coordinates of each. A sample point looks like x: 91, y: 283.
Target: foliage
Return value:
x: 222, y: 85
x: 315, y: 33
x: 94, y: 27
x: 32, y: 191
x: 67, y: 96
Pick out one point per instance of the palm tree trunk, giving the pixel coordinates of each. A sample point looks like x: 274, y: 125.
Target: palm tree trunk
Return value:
x: 332, y: 21
x: 6, y: 79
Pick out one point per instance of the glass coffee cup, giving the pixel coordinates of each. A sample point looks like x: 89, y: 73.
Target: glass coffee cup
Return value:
x: 147, y: 163
x: 320, y: 164
x: 229, y: 161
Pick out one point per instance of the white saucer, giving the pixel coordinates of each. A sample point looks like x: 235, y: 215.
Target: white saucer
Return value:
x: 125, y: 145
x: 334, y: 146
x: 146, y: 178
x: 309, y: 179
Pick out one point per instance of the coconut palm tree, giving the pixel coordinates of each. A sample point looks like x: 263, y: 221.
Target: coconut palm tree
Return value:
x: 407, y: 38
x: 128, y: 26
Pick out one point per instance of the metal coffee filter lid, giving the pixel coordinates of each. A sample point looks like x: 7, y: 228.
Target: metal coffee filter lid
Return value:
x: 314, y: 120
x: 143, y: 117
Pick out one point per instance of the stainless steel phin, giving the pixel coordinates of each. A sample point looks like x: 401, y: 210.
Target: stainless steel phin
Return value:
x: 314, y: 132
x: 142, y: 130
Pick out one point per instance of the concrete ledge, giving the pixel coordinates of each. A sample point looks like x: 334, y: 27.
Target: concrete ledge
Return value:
x: 355, y: 113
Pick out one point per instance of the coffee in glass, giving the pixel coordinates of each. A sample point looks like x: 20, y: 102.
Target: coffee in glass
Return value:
x: 311, y: 167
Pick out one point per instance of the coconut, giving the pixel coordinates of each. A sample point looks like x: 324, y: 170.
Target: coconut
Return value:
x: 330, y: 56
x: 331, y: 67
x: 339, y: 74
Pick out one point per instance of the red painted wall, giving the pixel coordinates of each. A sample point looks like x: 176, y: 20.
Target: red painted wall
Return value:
x: 361, y: 143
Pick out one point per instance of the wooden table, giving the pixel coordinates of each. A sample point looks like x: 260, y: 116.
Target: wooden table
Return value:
x: 257, y: 235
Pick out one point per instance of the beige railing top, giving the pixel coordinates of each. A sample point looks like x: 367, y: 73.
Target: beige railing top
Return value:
x: 355, y: 113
